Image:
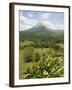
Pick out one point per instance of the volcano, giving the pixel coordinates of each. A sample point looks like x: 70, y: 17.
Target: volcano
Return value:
x: 42, y: 31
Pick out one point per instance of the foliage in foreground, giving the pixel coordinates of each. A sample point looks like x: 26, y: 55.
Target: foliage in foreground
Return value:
x: 46, y: 67
x: 41, y: 62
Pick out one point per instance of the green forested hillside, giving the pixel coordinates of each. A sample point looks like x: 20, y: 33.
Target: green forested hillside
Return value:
x: 41, y: 35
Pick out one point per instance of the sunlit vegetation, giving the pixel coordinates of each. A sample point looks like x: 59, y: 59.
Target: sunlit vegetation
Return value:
x: 41, y: 55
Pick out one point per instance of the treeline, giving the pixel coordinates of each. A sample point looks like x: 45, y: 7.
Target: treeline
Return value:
x: 42, y: 36
x: 39, y: 44
x: 44, y: 39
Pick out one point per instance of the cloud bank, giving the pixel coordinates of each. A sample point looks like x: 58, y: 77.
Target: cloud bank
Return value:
x: 29, y: 20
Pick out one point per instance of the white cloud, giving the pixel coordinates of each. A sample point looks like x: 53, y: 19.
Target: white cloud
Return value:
x: 60, y: 26
x: 26, y: 23
x: 29, y: 22
x: 45, y: 16
x: 30, y: 15
x: 47, y: 23
x: 53, y: 26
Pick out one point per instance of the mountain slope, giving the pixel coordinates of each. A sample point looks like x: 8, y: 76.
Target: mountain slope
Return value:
x: 41, y: 32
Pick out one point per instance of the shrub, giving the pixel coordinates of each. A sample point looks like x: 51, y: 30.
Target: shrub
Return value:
x: 46, y: 66
x: 52, y: 67
x: 36, y: 56
x: 57, y: 47
x: 28, y: 54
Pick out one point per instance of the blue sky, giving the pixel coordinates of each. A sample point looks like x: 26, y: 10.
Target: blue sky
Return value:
x: 53, y: 20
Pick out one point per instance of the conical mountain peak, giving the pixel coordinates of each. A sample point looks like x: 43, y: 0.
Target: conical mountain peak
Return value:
x: 40, y: 26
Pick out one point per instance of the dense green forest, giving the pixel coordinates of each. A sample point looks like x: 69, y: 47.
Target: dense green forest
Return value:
x: 41, y: 53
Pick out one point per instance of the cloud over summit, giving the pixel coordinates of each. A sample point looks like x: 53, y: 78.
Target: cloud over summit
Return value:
x: 29, y: 19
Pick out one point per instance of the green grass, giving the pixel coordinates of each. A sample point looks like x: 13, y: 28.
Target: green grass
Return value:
x: 23, y: 67
x: 55, y: 69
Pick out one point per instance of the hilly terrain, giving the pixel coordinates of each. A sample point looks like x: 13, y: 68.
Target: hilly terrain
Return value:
x: 41, y: 52
x: 42, y: 33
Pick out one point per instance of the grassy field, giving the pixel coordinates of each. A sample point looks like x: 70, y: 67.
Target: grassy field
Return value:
x: 41, y: 62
